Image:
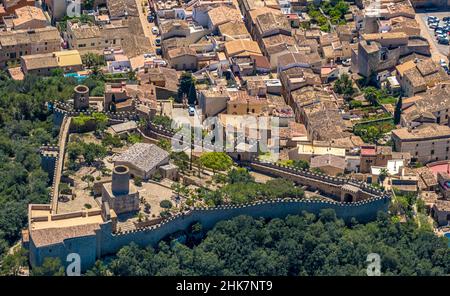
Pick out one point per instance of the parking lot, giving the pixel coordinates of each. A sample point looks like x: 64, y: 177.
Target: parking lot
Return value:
x: 439, y: 51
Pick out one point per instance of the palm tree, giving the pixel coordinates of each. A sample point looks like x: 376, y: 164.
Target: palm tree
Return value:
x: 382, y: 176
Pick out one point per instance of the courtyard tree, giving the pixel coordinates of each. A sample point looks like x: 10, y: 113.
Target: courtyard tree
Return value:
x: 383, y: 175
x: 180, y: 159
x: 187, y: 82
x: 88, y: 179
x: 301, y: 164
x: 101, y: 122
x: 112, y: 141
x: 137, y: 181
x: 179, y: 189
x: 92, y: 152
x: 74, y: 150
x: 344, y: 86
x: 165, y: 204
x: 163, y: 121
x: 239, y: 175
x: 91, y: 60
x: 192, y: 96
x: 164, y: 144
x: 216, y: 161
x: 398, y: 111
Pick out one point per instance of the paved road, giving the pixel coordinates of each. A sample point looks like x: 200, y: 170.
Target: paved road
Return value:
x: 147, y: 27
x: 438, y: 51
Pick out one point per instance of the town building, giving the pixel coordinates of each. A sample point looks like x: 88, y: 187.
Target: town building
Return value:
x: 417, y: 76
x: 432, y: 106
x: 117, y: 98
x: 213, y: 101
x: 328, y: 164
x: 17, y: 43
x: 182, y: 58
x: 26, y: 18
x: 381, y: 51
x: 426, y: 143
x: 44, y: 64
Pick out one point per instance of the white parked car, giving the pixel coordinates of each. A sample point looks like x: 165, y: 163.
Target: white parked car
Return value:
x: 155, y: 30
x: 347, y: 62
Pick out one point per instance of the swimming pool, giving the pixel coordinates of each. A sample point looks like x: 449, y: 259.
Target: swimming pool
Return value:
x: 77, y: 76
x: 447, y: 235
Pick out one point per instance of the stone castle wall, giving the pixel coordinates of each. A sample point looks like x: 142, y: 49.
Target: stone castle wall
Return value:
x: 106, y: 242
x: 364, y: 211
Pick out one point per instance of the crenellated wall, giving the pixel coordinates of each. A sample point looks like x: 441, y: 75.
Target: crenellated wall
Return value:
x: 364, y: 206
x: 105, y: 242
x: 363, y: 211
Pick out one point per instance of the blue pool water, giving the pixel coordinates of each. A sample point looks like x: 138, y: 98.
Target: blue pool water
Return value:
x: 77, y: 76
x: 447, y: 235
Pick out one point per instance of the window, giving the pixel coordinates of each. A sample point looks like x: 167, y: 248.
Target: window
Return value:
x: 93, y: 44
x: 432, y: 152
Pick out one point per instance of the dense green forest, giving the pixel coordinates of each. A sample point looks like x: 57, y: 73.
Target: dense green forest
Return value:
x: 296, y: 245
x: 25, y: 124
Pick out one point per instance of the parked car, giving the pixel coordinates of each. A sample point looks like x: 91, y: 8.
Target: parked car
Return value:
x: 347, y: 62
x: 150, y: 18
x: 155, y: 30
x: 158, y: 41
x: 432, y: 18
x: 442, y: 62
x: 446, y: 19
x: 434, y: 25
x: 191, y: 111
x: 444, y: 41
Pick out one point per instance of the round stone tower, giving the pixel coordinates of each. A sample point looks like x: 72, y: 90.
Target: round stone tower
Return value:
x: 120, y: 180
x: 81, y: 97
